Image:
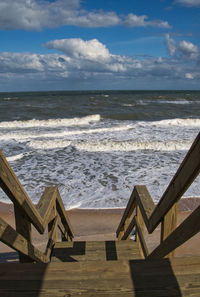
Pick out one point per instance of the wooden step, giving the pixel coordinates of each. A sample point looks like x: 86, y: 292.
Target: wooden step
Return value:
x: 140, y: 278
x: 95, y: 250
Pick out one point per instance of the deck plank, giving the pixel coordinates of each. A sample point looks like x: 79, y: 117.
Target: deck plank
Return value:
x: 176, y: 277
x: 95, y: 250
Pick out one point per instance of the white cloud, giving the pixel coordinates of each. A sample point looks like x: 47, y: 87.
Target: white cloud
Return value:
x: 133, y: 20
x: 36, y: 15
x: 90, y: 63
x: 182, y: 49
x: 17, y: 62
x: 189, y: 2
x: 188, y: 49
x: 171, y: 45
x: 78, y: 48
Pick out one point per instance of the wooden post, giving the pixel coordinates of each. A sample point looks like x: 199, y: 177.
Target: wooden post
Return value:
x: 64, y: 237
x: 141, y: 225
x: 168, y: 225
x: 124, y: 228
x: 121, y: 233
x: 23, y: 226
x: 51, y: 224
x: 126, y: 224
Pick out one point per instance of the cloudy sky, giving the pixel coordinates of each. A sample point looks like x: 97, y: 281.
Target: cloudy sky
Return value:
x: 101, y: 44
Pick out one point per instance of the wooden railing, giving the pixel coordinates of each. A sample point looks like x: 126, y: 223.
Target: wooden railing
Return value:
x: 49, y: 212
x: 141, y: 210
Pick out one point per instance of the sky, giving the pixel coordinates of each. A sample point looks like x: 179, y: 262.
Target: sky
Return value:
x: 101, y: 44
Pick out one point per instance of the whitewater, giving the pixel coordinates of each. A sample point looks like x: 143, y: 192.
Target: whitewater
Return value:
x: 100, y: 147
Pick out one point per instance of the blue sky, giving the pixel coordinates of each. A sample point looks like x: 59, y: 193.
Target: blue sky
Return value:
x: 107, y: 44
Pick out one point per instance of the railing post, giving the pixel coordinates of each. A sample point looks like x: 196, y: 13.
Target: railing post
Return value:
x: 168, y: 225
x: 65, y: 237
x: 51, y: 224
x: 23, y: 226
x: 124, y: 228
x: 121, y: 233
x: 141, y: 224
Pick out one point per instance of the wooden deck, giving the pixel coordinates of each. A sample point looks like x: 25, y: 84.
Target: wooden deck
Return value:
x: 179, y: 277
x: 79, y: 251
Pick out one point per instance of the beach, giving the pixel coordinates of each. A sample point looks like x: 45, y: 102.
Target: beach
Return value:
x: 101, y: 224
x: 96, y: 146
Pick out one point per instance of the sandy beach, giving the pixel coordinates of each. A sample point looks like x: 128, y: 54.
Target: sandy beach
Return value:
x: 101, y: 224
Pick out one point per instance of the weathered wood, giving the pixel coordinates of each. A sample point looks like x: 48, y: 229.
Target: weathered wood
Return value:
x: 52, y: 237
x: 26, y: 213
x: 23, y: 226
x: 64, y: 233
x: 145, y: 203
x: 166, y: 210
x: 19, y: 243
x: 127, y: 213
x: 63, y: 216
x: 121, y: 234
x: 181, y: 234
x: 185, y: 175
x: 140, y: 231
x: 95, y: 250
x: 140, y: 196
x: 46, y: 203
x: 168, y: 225
x: 14, y: 190
x: 141, y: 241
x: 140, y: 236
x: 103, y: 278
x: 126, y: 224
x: 129, y: 229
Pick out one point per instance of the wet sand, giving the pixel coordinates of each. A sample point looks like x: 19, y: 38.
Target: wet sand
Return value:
x: 101, y: 225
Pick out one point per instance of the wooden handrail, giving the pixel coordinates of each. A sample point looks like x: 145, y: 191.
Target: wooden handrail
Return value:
x: 14, y: 190
x: 185, y: 175
x: 49, y: 212
x: 19, y: 243
x: 186, y: 230
x: 165, y: 211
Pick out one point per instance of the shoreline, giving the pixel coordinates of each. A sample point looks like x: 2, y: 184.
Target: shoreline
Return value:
x: 184, y: 204
x: 100, y: 224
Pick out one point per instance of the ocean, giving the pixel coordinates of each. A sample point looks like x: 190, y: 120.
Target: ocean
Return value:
x: 96, y: 145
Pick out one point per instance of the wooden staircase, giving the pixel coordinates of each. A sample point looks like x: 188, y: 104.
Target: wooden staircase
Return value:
x: 86, y: 251
x: 111, y: 268
x: 123, y: 267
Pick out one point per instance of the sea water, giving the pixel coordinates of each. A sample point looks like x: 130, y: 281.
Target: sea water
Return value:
x: 97, y: 145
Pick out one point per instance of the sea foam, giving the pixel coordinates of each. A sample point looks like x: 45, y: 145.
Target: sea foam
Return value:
x: 51, y: 122
x: 95, y: 161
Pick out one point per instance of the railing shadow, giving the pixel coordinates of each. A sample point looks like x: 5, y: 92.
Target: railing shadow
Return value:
x: 111, y: 250
x: 154, y: 278
x: 22, y: 280
x: 68, y: 254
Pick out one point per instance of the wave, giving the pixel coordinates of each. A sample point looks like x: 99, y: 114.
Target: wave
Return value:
x: 34, y: 135
x: 189, y: 122
x: 57, y: 123
x: 111, y: 146
x: 174, y: 102
x: 49, y: 144
x: 10, y: 98
x: 15, y: 157
x: 52, y: 122
x: 128, y: 146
